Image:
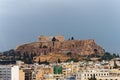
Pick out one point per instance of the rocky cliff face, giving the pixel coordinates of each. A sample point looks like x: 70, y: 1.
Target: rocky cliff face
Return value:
x: 80, y: 47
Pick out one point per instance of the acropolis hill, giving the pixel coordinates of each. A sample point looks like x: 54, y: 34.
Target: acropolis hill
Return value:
x: 57, y: 44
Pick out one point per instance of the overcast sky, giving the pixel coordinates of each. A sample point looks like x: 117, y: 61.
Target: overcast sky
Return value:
x: 22, y: 21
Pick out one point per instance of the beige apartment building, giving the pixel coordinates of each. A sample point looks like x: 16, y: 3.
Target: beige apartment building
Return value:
x: 21, y: 75
x: 70, y: 68
x: 37, y: 73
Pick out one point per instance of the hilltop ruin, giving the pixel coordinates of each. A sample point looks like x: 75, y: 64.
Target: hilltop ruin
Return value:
x: 57, y: 44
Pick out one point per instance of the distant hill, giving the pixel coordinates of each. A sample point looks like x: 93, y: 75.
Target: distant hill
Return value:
x: 54, y: 49
x: 46, y: 46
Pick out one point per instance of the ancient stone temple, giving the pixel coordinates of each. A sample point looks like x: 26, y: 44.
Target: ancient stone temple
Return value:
x: 49, y: 38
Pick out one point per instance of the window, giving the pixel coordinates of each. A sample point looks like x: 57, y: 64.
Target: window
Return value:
x: 99, y: 74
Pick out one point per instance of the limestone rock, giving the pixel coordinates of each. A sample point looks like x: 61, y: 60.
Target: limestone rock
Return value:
x: 79, y: 47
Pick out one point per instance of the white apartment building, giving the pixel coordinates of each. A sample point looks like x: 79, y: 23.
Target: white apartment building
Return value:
x: 100, y: 74
x: 85, y: 74
x: 9, y: 72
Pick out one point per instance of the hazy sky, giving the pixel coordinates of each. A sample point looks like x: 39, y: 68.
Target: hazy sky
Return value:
x: 22, y: 21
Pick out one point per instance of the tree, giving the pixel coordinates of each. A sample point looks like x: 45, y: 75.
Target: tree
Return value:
x: 95, y: 50
x: 72, y: 38
x: 69, y: 54
x: 34, y: 54
x: 96, y: 53
x: 114, y: 55
x: 14, y: 56
x: 73, y: 59
x: 30, y: 61
x: 46, y: 62
x: 59, y: 61
x: 24, y: 56
x: 39, y: 61
x: 19, y: 55
x: 50, y: 49
x: 53, y: 40
x: 107, y: 56
x: 31, y: 56
x: 27, y: 58
x: 118, y: 56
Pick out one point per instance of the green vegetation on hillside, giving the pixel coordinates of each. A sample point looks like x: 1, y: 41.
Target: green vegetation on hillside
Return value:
x: 29, y: 58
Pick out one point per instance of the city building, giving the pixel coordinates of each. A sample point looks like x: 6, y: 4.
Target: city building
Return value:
x: 70, y: 68
x: 28, y: 73
x: 21, y: 75
x: 9, y: 72
x: 37, y: 74
x: 87, y: 74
